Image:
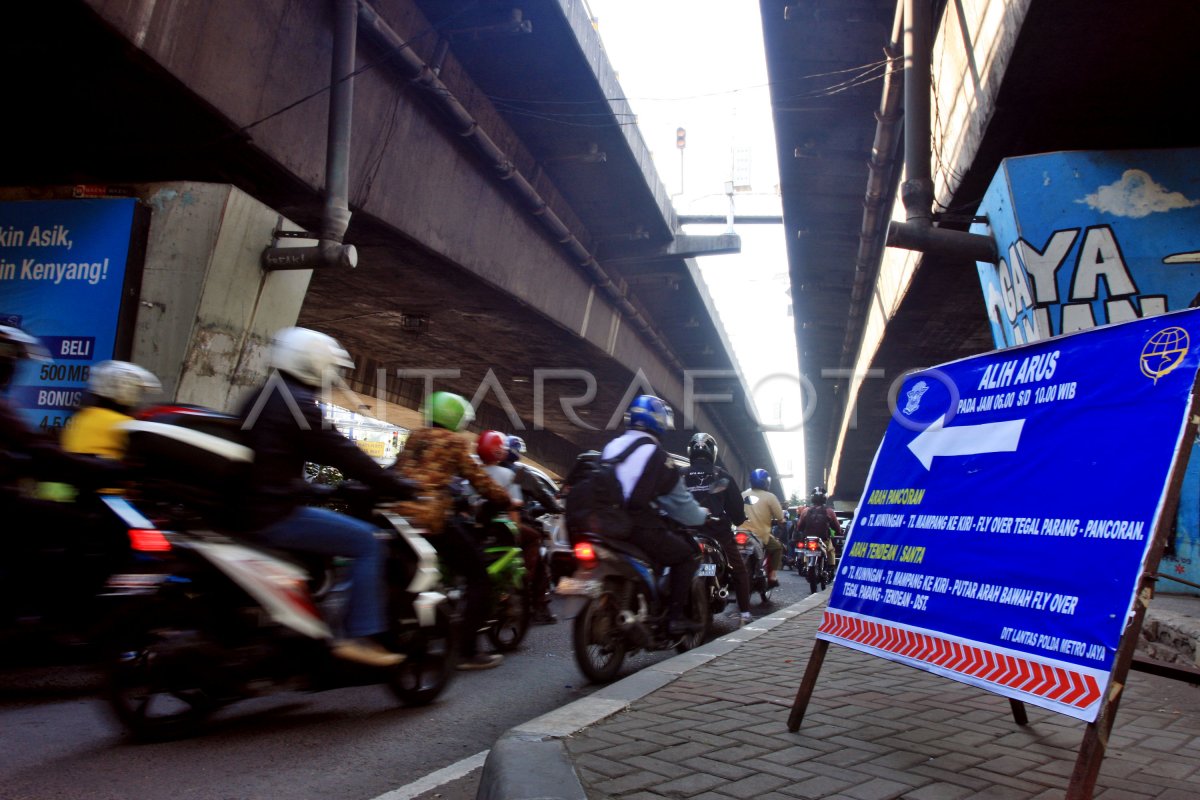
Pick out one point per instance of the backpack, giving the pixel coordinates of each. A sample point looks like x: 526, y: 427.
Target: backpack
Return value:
x: 816, y: 522
x: 596, y: 503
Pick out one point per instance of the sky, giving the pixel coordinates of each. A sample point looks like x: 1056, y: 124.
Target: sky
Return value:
x: 699, y: 65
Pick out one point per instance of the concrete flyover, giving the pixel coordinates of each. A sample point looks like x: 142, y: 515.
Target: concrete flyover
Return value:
x: 497, y: 235
x: 1011, y: 78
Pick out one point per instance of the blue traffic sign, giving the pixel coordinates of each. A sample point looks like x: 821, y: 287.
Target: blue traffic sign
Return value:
x: 1010, y: 507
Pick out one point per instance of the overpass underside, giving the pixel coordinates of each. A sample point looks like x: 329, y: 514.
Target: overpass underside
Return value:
x: 1010, y: 78
x: 457, y: 271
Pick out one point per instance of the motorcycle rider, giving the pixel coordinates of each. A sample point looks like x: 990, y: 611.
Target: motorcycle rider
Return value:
x: 40, y: 575
x: 763, y: 509
x: 115, y: 390
x: 817, y: 501
x: 282, y: 423
x: 726, y: 506
x: 433, y: 457
x: 651, y: 483
x: 534, y: 490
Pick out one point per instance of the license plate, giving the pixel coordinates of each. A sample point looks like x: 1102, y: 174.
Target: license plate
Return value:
x: 707, y: 571
x: 574, y: 586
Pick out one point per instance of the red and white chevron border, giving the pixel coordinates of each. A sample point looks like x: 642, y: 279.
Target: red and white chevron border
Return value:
x: 978, y: 665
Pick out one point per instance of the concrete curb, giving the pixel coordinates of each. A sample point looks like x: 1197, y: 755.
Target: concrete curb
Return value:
x: 530, y: 761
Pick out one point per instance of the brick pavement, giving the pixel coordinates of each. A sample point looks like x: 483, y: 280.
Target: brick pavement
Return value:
x: 874, y: 730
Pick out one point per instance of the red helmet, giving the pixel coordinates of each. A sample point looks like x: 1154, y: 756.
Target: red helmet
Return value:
x: 492, y: 447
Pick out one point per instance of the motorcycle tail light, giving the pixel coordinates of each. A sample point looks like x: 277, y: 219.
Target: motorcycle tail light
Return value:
x: 585, y: 552
x: 812, y: 544
x: 148, y: 540
x: 741, y: 537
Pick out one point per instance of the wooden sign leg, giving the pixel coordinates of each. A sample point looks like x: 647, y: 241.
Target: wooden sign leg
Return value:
x: 800, y: 704
x: 1018, y: 712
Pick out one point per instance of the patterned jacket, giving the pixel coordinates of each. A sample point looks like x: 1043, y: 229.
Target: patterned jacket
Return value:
x: 431, y: 457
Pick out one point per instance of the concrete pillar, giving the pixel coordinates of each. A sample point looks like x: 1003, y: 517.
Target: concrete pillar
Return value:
x: 207, y: 309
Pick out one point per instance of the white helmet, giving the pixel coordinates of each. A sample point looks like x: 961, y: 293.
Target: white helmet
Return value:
x: 306, y: 354
x: 121, y: 382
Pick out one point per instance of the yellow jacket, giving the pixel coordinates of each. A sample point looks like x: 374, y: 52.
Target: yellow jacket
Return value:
x: 760, y: 512
x: 95, y: 431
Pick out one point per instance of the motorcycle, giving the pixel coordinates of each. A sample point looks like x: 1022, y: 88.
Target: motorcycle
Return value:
x: 817, y: 568
x: 714, y: 563
x: 52, y: 580
x: 755, y: 556
x: 714, y: 569
x: 781, y: 531
x: 509, y: 609
x: 620, y: 602
x: 210, y: 620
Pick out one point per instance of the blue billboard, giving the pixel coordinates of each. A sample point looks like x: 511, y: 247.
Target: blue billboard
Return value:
x: 1013, y: 499
x: 63, y: 271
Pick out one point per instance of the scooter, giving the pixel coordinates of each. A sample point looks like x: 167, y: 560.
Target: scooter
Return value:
x: 619, y: 603
x: 210, y: 619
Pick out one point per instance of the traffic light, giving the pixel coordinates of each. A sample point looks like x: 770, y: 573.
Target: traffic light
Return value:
x: 680, y: 138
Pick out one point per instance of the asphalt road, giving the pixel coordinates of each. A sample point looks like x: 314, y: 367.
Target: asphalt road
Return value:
x: 58, y: 742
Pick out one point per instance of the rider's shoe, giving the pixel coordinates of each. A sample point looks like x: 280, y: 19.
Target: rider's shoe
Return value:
x: 744, y: 619
x: 366, y: 652
x: 772, y: 583
x: 480, y: 661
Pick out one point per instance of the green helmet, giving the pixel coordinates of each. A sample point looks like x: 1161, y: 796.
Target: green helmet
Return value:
x: 449, y: 410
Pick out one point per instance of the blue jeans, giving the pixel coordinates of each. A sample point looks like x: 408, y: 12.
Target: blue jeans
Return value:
x: 328, y: 533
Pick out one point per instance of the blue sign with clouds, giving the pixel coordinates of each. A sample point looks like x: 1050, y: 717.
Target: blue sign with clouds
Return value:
x: 1088, y: 238
x: 1012, y: 501
x: 62, y: 272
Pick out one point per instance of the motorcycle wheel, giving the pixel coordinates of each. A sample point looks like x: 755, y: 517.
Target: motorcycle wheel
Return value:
x: 511, y: 622
x: 157, y: 659
x: 813, y: 579
x: 598, y: 642
x: 697, y: 612
x: 429, y: 663
x: 758, y: 581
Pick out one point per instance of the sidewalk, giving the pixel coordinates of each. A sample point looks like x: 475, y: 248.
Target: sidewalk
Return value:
x: 712, y: 724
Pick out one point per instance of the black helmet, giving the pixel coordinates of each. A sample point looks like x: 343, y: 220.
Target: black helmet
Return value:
x: 702, y: 447
x: 818, y: 497
x: 15, y: 346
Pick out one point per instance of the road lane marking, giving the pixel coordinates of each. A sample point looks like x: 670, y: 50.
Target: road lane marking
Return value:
x: 459, y: 769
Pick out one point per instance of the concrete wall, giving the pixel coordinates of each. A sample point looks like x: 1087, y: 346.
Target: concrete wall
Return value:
x: 207, y: 309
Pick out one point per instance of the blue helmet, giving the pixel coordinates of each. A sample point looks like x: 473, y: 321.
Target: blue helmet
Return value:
x: 760, y: 479
x: 649, y: 413
x: 516, y: 446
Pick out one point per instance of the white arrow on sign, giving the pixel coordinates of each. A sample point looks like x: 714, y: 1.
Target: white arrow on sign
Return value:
x: 965, y: 440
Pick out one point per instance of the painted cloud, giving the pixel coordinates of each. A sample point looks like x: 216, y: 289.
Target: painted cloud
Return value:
x: 1136, y: 195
